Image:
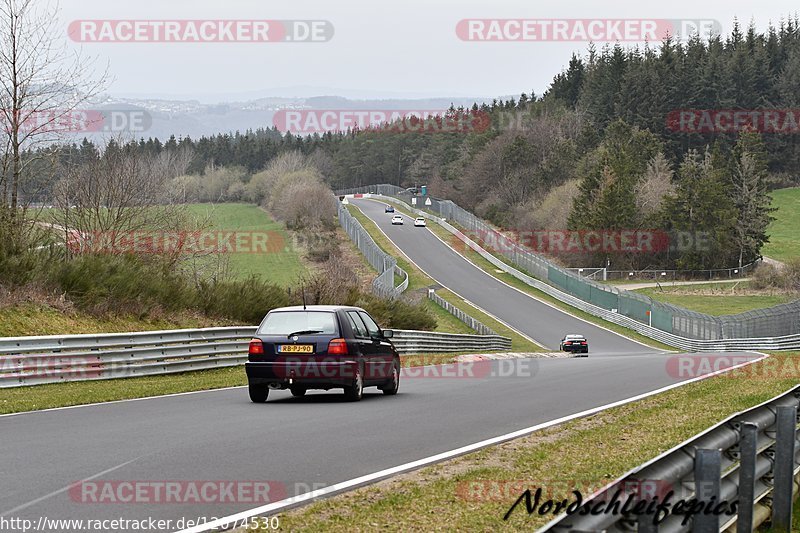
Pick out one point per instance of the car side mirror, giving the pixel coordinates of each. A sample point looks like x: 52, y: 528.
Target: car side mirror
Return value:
x: 387, y: 333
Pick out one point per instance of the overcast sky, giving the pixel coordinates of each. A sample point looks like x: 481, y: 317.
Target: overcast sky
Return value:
x: 380, y: 48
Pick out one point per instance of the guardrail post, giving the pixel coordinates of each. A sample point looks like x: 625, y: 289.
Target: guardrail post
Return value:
x: 645, y: 525
x: 707, y: 472
x: 747, y: 476
x: 783, y: 468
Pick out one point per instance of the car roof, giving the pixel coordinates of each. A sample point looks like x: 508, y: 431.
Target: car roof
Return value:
x: 575, y: 336
x: 324, y: 308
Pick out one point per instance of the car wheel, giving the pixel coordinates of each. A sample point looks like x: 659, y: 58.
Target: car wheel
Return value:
x: 390, y: 389
x: 298, y: 391
x: 354, y: 392
x: 258, y: 393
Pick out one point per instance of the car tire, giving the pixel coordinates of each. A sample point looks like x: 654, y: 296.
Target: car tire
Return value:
x: 258, y: 393
x: 391, y: 388
x: 354, y: 392
x: 298, y: 392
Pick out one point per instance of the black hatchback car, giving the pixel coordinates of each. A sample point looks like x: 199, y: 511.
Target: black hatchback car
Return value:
x: 321, y: 347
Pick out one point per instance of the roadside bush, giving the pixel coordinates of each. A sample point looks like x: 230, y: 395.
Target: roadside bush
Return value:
x: 398, y: 313
x: 791, y: 273
x: 104, y: 283
x: 337, y: 284
x: 246, y: 301
x: 766, y: 277
x: 786, y: 278
x: 21, y: 269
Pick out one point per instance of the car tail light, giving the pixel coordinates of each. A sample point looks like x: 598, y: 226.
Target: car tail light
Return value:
x: 337, y: 347
x: 583, y: 343
x: 568, y: 343
x: 256, y: 347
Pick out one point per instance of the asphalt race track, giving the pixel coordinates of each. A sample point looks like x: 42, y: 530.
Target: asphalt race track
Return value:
x: 299, y: 444
x: 543, y: 323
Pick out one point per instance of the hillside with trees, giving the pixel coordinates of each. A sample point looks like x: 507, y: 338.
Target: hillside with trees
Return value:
x: 599, y: 150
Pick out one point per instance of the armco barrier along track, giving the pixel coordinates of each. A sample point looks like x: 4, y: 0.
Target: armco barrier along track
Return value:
x: 751, y: 458
x: 61, y: 358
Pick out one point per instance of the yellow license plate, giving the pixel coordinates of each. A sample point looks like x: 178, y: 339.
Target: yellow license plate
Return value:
x: 296, y: 348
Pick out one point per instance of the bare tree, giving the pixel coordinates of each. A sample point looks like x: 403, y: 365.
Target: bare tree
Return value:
x: 655, y: 185
x: 116, y: 197
x: 42, y: 84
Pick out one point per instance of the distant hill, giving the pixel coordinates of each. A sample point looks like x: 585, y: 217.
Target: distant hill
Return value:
x: 161, y: 118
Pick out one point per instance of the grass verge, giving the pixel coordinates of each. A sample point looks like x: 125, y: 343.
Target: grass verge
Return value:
x: 715, y: 298
x: 38, y: 319
x: 473, y: 492
x: 784, y: 239
x: 279, y: 263
x: 419, y: 281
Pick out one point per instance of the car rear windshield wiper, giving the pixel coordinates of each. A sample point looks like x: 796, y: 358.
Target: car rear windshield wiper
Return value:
x: 304, y: 332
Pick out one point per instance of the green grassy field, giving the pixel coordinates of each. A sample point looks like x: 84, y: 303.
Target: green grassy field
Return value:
x: 278, y: 261
x: 273, y: 257
x: 784, y: 233
x: 715, y: 298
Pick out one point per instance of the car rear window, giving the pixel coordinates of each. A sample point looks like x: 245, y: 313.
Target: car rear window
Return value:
x: 286, y: 322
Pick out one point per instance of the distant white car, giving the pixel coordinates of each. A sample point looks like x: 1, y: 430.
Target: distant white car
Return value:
x: 397, y: 219
x: 420, y: 222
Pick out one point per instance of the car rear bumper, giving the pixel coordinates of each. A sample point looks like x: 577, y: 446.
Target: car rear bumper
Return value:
x: 282, y: 374
x: 574, y: 349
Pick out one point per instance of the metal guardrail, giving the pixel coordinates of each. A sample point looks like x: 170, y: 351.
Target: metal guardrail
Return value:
x: 473, y: 323
x: 409, y: 341
x: 783, y: 342
x: 751, y: 458
x: 59, y: 358
x: 62, y: 358
x: 383, y: 263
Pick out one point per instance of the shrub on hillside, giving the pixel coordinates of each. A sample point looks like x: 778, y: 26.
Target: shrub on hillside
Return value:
x: 770, y: 277
x: 246, y: 301
x: 121, y: 283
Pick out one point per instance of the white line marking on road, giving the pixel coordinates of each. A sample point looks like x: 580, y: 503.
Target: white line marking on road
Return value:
x: 64, y: 489
x: 308, y: 497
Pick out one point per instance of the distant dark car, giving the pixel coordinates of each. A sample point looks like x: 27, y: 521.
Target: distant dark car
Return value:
x: 321, y: 347
x: 574, y: 344
x: 389, y: 209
